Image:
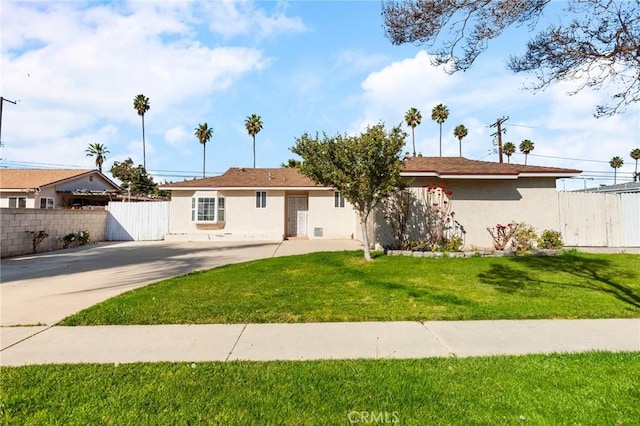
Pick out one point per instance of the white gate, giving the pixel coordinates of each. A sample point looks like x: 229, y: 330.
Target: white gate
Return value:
x: 143, y: 221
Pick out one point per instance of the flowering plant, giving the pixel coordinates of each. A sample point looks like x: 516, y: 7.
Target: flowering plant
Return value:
x: 502, y: 234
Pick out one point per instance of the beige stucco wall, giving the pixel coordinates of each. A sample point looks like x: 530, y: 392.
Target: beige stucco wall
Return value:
x: 243, y: 221
x: 246, y: 222
x: 479, y: 204
x: 335, y: 222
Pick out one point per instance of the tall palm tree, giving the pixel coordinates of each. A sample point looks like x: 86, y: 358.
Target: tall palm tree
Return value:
x: 99, y: 151
x: 413, y: 118
x: 203, y: 132
x: 526, y: 146
x: 291, y: 163
x: 141, y: 104
x: 460, y: 132
x: 616, y: 162
x: 508, y: 149
x: 253, y: 123
x: 635, y: 154
x: 439, y: 114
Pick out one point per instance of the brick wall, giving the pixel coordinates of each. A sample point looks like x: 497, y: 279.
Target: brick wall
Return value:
x: 16, y: 226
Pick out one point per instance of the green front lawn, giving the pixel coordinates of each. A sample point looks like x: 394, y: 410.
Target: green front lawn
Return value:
x: 341, y: 286
x: 591, y: 388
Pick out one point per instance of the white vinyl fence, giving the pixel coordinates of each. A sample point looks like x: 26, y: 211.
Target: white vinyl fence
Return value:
x: 591, y: 219
x: 144, y: 221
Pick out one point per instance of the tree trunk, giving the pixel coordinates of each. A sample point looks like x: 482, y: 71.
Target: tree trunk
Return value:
x: 144, y: 154
x: 365, y: 236
x: 204, y: 157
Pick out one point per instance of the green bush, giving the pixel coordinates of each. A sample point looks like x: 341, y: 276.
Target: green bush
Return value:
x: 525, y: 238
x: 550, y: 239
x: 81, y: 238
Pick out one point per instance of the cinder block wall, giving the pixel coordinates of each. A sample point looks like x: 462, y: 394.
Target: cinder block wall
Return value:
x: 16, y: 226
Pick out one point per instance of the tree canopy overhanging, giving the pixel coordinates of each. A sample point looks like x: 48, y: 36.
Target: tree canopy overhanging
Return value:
x: 364, y: 168
x: 595, y: 42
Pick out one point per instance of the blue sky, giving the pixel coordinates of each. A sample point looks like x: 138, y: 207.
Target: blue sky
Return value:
x: 303, y: 66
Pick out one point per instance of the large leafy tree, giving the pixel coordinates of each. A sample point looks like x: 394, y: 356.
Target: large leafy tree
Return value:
x: 460, y: 132
x: 203, y: 132
x: 509, y: 149
x: 413, y: 118
x: 141, y: 105
x: 439, y: 114
x: 253, y: 124
x: 526, y: 146
x: 615, y: 163
x: 99, y: 151
x: 635, y: 155
x: 364, y: 168
x: 594, y: 42
x: 133, y: 177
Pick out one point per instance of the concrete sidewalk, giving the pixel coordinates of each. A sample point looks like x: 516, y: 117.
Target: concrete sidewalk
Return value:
x: 266, y: 342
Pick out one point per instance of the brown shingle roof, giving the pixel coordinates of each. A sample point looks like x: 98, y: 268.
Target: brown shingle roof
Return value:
x: 250, y: 178
x: 33, y: 178
x: 438, y: 166
x: 452, y: 166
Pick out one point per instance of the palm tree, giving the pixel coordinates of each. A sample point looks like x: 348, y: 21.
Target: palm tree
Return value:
x: 413, y: 118
x: 99, y: 151
x: 291, y: 163
x: 253, y: 123
x: 635, y: 154
x: 203, y: 132
x: 508, y: 149
x: 460, y: 132
x: 616, y: 162
x: 526, y: 146
x: 439, y: 114
x: 141, y: 104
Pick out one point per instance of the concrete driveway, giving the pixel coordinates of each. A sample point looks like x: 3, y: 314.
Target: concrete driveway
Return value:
x: 45, y: 288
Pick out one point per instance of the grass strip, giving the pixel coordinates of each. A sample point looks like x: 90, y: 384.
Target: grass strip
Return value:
x: 589, y: 388
x: 340, y: 286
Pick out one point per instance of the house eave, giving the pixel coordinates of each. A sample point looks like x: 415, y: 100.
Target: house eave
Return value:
x: 459, y: 176
x: 245, y: 188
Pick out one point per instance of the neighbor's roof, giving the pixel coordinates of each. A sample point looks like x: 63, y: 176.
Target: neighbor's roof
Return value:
x: 34, y: 178
x: 248, y: 178
x: 463, y: 168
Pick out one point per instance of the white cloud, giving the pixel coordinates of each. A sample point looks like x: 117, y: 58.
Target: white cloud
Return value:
x: 74, y: 68
x: 230, y: 19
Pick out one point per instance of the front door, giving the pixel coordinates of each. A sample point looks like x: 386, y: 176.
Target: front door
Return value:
x: 297, y: 216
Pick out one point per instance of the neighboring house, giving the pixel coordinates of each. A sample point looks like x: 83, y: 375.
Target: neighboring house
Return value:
x: 275, y: 204
x: 55, y: 188
x: 620, y: 188
x: 258, y: 204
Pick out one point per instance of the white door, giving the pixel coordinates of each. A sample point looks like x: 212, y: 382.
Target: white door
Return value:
x: 297, y: 216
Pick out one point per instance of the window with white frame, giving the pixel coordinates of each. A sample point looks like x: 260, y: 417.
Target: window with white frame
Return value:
x: 18, y: 202
x: 207, y: 209
x: 338, y: 200
x: 261, y: 199
x: 46, y: 203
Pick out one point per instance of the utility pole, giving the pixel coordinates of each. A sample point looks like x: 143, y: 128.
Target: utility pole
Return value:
x: 499, y: 133
x: 2, y: 101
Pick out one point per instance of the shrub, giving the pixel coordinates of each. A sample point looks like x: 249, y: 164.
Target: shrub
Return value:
x: 525, y: 238
x: 68, y: 239
x: 550, y: 239
x: 83, y: 238
x: 502, y: 234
